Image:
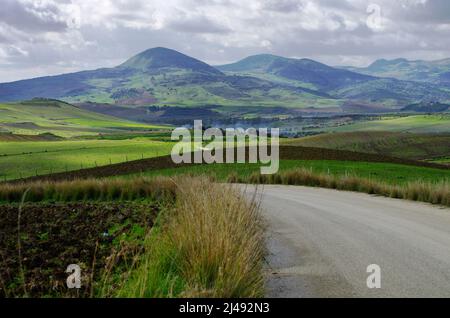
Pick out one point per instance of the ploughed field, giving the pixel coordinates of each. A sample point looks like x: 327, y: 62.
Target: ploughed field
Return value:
x: 37, y: 246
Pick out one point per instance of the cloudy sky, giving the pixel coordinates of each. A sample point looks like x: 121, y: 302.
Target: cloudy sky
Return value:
x: 46, y: 37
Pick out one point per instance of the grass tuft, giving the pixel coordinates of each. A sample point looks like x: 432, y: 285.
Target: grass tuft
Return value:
x: 210, y: 244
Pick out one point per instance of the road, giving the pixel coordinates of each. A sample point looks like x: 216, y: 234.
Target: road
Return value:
x: 321, y: 242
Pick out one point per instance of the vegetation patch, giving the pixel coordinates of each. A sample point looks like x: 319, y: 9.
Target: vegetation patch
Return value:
x: 210, y: 245
x: 91, y: 190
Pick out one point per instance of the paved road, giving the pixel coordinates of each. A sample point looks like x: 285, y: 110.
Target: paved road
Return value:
x: 321, y: 242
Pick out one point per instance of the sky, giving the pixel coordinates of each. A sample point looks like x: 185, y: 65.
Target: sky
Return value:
x: 48, y: 37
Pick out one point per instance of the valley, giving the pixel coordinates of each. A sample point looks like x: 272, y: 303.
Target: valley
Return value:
x: 98, y: 142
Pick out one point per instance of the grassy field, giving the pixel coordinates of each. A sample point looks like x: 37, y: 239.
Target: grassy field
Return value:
x: 385, y: 172
x: 24, y: 159
x: 415, y: 124
x: 61, y: 119
x: 395, y: 144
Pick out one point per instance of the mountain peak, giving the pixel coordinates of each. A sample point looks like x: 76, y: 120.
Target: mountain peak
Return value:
x: 381, y: 63
x: 250, y: 63
x: 163, y: 58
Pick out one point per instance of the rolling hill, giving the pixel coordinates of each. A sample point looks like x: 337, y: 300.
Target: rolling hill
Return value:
x: 164, y: 77
x: 394, y: 144
x: 41, y: 116
x: 421, y: 124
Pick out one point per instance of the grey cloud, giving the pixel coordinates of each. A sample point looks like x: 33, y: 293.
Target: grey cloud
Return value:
x: 433, y: 11
x: 31, y: 17
x: 283, y: 5
x: 198, y: 25
x: 218, y: 31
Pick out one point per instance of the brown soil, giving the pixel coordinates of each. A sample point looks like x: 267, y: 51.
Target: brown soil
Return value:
x: 53, y: 236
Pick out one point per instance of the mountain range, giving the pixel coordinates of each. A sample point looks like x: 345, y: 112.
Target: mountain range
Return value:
x: 164, y: 77
x: 436, y: 72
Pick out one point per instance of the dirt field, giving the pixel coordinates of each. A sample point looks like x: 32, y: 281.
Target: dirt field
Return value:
x: 53, y: 236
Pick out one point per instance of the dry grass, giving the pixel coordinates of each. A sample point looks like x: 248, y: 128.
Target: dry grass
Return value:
x: 90, y: 190
x: 435, y: 193
x: 210, y: 245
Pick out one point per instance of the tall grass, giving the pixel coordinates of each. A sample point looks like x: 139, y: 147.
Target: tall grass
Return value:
x: 435, y: 193
x: 210, y: 244
x: 90, y: 190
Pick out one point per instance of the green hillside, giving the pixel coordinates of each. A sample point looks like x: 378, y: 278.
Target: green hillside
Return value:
x: 50, y: 116
x: 415, y: 124
x: 395, y: 144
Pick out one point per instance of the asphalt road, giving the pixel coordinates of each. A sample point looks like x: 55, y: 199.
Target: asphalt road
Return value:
x: 322, y: 241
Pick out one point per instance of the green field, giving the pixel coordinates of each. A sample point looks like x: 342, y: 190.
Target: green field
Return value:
x: 386, y: 172
x: 24, y: 159
x: 415, y: 124
x: 61, y: 119
x: 394, y: 144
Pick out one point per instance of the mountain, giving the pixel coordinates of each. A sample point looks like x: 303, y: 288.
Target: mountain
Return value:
x: 161, y: 77
x: 340, y: 83
x: 164, y: 77
x: 306, y: 71
x: 435, y: 72
x: 160, y: 59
